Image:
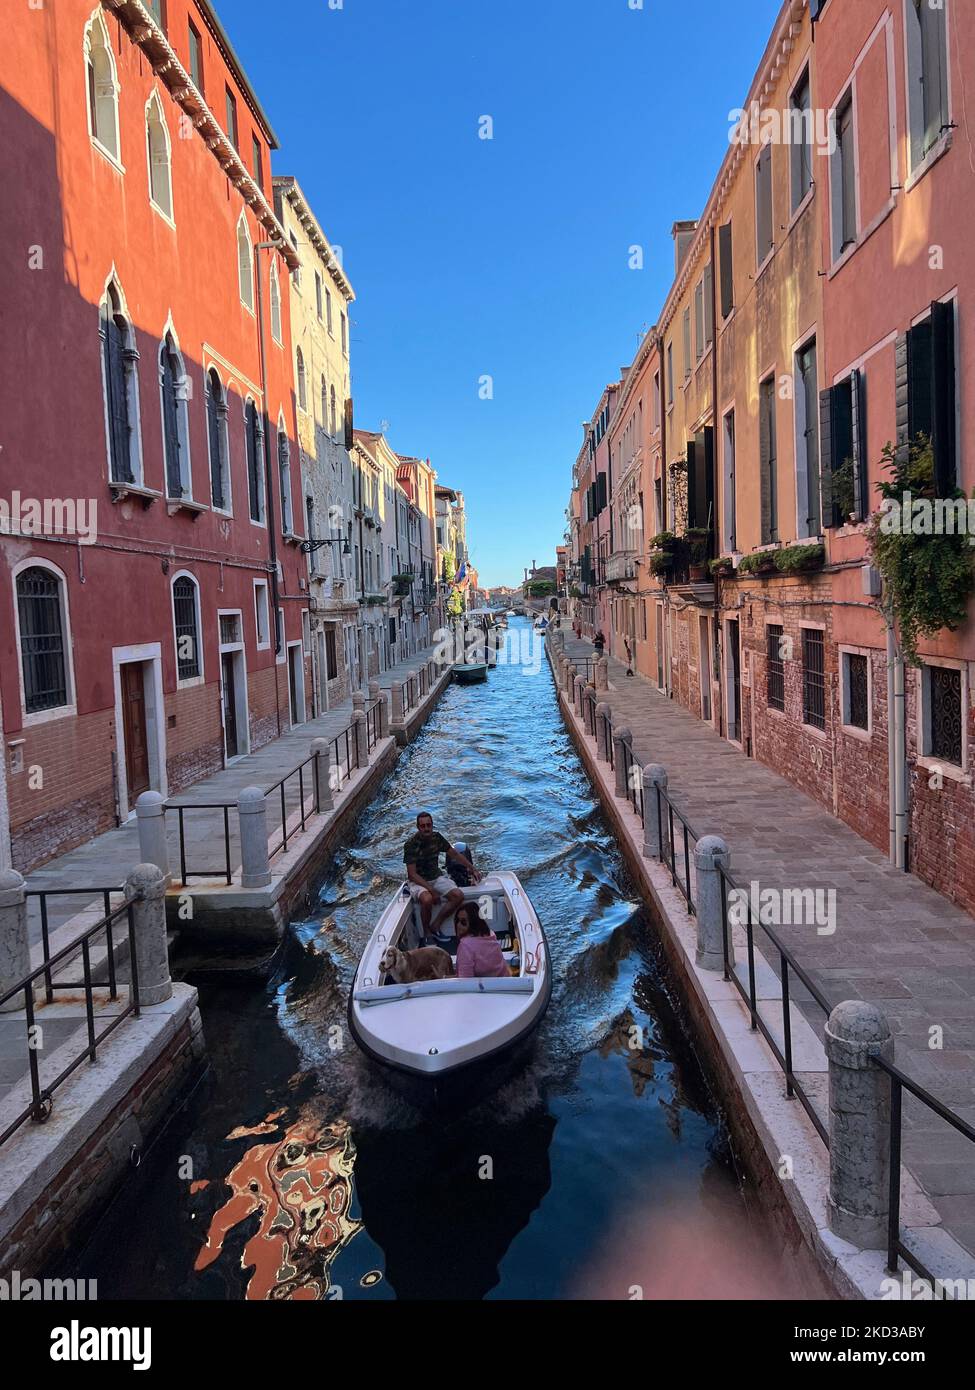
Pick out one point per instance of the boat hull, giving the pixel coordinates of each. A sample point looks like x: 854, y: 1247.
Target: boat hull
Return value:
x: 471, y: 675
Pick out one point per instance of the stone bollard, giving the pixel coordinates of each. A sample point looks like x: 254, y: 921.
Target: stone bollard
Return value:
x: 397, y: 713
x: 254, y: 862
x: 147, y: 884
x: 859, y: 1123
x: 710, y: 854
x: 604, y: 731
x: 14, y: 940
x: 374, y: 691
x: 358, y: 700
x: 360, y: 732
x: 602, y: 673
x: 424, y: 682
x: 322, y: 753
x: 656, y: 830
x: 150, y: 810
x: 432, y: 671
x: 384, y: 714
x: 580, y: 687
x: 622, y: 739
x: 589, y: 707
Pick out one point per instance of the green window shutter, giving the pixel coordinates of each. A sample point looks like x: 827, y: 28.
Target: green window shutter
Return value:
x: 691, y: 482
x: 725, y: 253
x: 827, y: 463
x: 943, y: 397
x: 858, y: 396
x: 902, y: 392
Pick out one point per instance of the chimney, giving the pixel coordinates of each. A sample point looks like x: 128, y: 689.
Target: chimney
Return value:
x: 683, y: 234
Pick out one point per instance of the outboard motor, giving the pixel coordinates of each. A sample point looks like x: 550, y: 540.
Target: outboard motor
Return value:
x: 457, y: 871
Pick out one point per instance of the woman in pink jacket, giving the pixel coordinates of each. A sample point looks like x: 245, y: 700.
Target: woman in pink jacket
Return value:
x: 478, y: 950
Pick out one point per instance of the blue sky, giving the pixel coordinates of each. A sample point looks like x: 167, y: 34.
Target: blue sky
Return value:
x: 508, y: 257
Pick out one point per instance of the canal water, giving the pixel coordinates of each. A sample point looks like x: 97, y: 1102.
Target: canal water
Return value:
x: 601, y: 1170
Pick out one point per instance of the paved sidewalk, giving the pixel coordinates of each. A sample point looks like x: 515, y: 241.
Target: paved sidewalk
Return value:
x: 897, y: 942
x: 107, y: 860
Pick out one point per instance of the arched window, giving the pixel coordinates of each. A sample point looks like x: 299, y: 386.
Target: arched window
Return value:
x: 120, y: 361
x: 160, y: 157
x: 245, y: 264
x: 186, y: 622
x: 174, y: 389
x: 275, y: 303
x: 324, y: 404
x: 302, y: 383
x: 334, y: 428
x: 254, y: 438
x: 218, y: 442
x: 284, y: 475
x: 102, y: 85
x: 42, y: 631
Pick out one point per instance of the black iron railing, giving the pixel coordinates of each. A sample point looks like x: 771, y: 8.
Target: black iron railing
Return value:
x: 226, y: 870
x: 302, y: 779
x: 42, y: 1093
x: 373, y: 724
x: 411, y: 694
x: 668, y: 815
x: 344, y: 759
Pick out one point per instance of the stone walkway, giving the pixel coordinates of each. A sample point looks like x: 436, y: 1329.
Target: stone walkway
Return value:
x: 107, y: 860
x: 897, y: 942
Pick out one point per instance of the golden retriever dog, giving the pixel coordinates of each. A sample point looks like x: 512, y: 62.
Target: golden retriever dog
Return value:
x: 425, y: 963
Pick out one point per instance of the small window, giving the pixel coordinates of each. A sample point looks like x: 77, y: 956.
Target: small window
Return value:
x: 284, y: 476
x: 943, y: 714
x: 774, y: 668
x: 230, y: 630
x: 927, y: 76
x: 763, y: 206
x: 726, y: 258
x: 275, y: 296
x: 319, y: 303
x: 687, y: 342
x: 301, y: 378
x: 257, y: 159
x: 245, y: 264
x: 345, y: 336
x: 813, y: 678
x: 670, y: 374
x: 801, y: 116
x: 186, y: 615
x: 856, y: 691
x: 296, y: 274
x: 120, y: 359
x: 843, y: 179
x: 328, y: 309
x: 196, y: 59
x: 262, y: 615
x: 160, y: 157
x: 102, y: 87
x: 769, y: 462
x: 43, y: 651
x: 231, y: 126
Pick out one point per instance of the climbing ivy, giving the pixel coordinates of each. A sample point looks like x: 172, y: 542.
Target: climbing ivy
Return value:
x: 928, y: 574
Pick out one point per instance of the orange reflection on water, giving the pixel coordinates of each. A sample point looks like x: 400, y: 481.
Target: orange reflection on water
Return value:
x: 302, y: 1187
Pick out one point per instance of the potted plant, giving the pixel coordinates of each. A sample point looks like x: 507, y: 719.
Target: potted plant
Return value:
x: 697, y: 540
x: 723, y: 568
x: 796, y: 559
x: 402, y: 584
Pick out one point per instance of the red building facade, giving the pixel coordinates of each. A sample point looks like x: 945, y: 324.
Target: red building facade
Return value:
x: 151, y: 583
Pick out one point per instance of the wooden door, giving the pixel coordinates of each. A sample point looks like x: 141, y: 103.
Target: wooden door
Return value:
x: 229, y: 705
x: 135, y: 729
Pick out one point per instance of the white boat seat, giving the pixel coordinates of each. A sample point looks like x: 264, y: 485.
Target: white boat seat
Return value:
x: 391, y: 994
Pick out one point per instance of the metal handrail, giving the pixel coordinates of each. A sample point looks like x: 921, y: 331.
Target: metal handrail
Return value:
x: 42, y: 1097
x: 42, y: 895
x: 303, y: 815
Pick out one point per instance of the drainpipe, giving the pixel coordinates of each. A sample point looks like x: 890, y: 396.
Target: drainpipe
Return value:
x: 268, y: 481
x: 663, y: 505
x: 896, y: 752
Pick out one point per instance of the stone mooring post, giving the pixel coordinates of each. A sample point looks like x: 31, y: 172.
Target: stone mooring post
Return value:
x: 255, y: 869
x: 322, y: 753
x: 14, y: 940
x: 656, y: 829
x: 622, y: 739
x: 150, y: 810
x: 602, y: 673
x: 361, y: 732
x: 147, y: 884
x: 397, y: 714
x: 859, y: 1123
x: 603, y: 731
x: 711, y: 854
x: 580, y: 687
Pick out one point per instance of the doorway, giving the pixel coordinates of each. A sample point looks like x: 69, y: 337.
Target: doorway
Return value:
x: 233, y: 685
x: 140, y: 724
x: 704, y: 666
x: 135, y: 728
x: 733, y: 694
x: 296, y: 683
x: 229, y: 681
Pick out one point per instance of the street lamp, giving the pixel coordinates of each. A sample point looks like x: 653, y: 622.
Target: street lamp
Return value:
x: 312, y: 544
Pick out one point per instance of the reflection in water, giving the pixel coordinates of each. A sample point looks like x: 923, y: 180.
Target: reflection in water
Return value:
x: 608, y: 1140
x: 301, y: 1186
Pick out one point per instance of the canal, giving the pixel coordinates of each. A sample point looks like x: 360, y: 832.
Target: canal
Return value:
x: 601, y: 1170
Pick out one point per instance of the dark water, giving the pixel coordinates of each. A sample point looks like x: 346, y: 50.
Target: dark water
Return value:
x: 600, y: 1170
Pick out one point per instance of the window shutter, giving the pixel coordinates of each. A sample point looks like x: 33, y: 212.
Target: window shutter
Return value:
x: 349, y: 423
x: 118, y: 401
x: 708, y: 469
x: 174, y: 480
x: 727, y: 270
x: 902, y: 392
x: 764, y: 470
x: 708, y: 305
x: 826, y: 458
x: 691, y: 482
x: 858, y: 395
x: 943, y: 397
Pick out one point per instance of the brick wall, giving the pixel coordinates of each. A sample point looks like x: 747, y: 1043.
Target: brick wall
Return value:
x: 66, y: 792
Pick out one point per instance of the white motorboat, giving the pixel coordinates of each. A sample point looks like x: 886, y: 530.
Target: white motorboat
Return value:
x: 435, y: 1031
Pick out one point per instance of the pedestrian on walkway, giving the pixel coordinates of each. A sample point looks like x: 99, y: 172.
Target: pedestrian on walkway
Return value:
x: 599, y: 642
x: 629, y: 656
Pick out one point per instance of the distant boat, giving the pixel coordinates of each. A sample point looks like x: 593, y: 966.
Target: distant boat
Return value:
x: 470, y: 672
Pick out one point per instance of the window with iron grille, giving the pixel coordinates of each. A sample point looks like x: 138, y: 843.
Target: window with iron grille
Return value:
x: 775, y: 667
x: 41, y: 640
x: 229, y: 629
x: 187, y: 629
x: 944, y: 713
x: 857, y: 710
x: 813, y: 678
